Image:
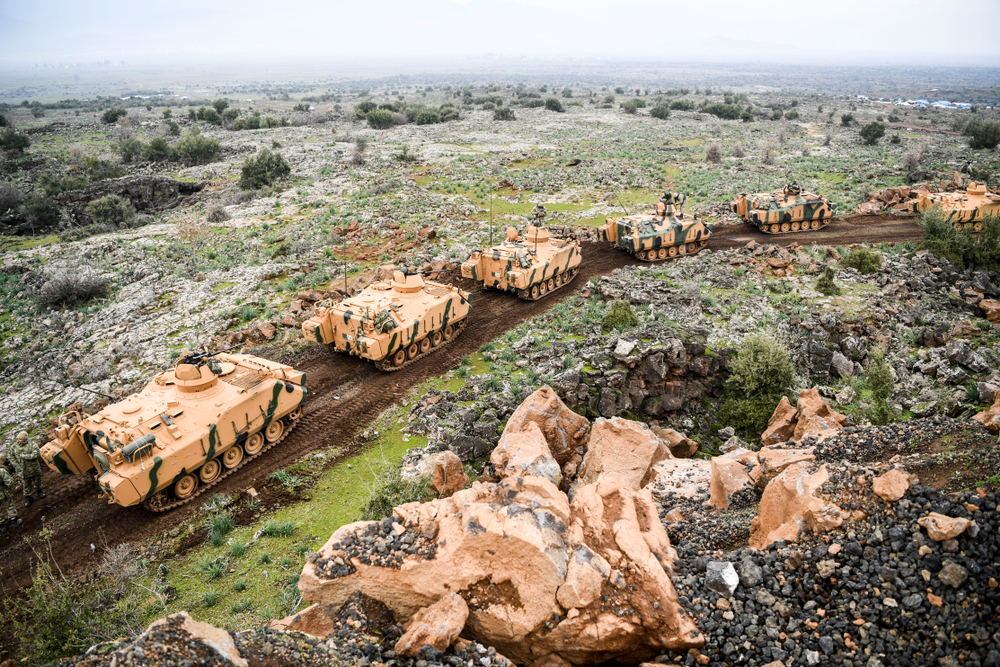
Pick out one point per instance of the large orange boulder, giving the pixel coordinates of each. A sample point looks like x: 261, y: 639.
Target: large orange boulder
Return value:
x: 732, y: 473
x: 892, y: 485
x: 563, y: 429
x: 525, y: 452
x: 219, y: 642
x: 812, y: 416
x: 990, y: 418
x: 781, y: 426
x: 312, y: 620
x: 680, y: 445
x: 791, y: 503
x: 624, y: 448
x: 991, y: 308
x: 774, y: 460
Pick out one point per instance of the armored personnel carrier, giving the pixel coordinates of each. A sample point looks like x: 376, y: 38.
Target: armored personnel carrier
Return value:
x: 964, y: 209
x: 788, y: 210
x: 188, y: 429
x: 392, y: 323
x: 663, y: 234
x: 530, y: 266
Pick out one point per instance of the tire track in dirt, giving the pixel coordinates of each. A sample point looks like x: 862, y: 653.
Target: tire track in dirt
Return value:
x: 346, y: 393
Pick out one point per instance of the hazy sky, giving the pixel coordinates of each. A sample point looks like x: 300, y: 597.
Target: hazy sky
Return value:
x: 873, y: 31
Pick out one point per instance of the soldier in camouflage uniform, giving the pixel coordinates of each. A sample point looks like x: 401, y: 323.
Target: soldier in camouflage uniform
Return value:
x: 7, y: 496
x: 26, y: 455
x: 538, y: 215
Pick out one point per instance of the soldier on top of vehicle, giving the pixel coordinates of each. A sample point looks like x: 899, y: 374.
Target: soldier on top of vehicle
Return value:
x: 538, y: 215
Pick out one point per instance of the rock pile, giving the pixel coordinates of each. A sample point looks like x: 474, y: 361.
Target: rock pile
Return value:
x: 540, y: 572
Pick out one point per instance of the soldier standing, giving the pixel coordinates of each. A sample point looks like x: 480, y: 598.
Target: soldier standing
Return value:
x: 538, y: 215
x: 31, y: 468
x: 7, y: 496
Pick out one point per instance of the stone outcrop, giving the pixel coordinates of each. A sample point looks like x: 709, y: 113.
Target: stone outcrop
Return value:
x: 147, y: 194
x: 436, y: 626
x: 791, y: 502
x: 624, y: 448
x: 991, y: 418
x: 564, y: 431
x: 681, y: 446
x: 540, y: 574
x: 812, y: 416
x: 731, y: 474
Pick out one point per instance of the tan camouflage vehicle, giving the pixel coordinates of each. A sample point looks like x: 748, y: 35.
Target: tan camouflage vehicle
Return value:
x: 665, y: 234
x: 392, y: 323
x: 964, y: 209
x: 530, y: 266
x: 188, y: 429
x: 790, y: 210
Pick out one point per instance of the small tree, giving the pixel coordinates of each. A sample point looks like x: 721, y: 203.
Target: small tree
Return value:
x: 13, y: 141
x: 264, y: 169
x: 620, y: 316
x: 427, y: 117
x: 846, y: 119
x: 198, y: 149
x: 761, y: 373
x: 553, y: 104
x: 865, y: 260
x: 130, y: 149
x: 111, y: 210
x: 878, y: 379
x: 630, y: 107
x: 661, y: 111
x: 792, y: 115
x: 380, y: 119
x: 872, y: 132
x: 504, y: 113
x: 111, y: 116
x: 826, y: 285
x: 982, y: 133
x: 158, y: 150
x: 567, y: 92
x: 220, y: 106
x: 777, y: 113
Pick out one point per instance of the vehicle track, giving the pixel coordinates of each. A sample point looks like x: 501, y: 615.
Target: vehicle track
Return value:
x: 345, y: 394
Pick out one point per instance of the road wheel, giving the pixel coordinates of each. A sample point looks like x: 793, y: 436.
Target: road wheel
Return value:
x: 978, y: 226
x: 785, y: 226
x: 661, y: 253
x: 209, y: 472
x: 425, y: 345
x: 551, y: 284
x: 815, y: 224
x: 232, y: 457
x: 795, y: 226
x: 561, y: 279
x: 254, y: 443
x: 692, y: 248
x: 185, y: 487
x: 274, y: 430
x: 775, y: 229
x: 958, y: 226
x: 412, y: 351
x: 672, y: 251
x: 682, y: 249
x: 399, y: 358
x: 436, y: 338
x: 449, y: 332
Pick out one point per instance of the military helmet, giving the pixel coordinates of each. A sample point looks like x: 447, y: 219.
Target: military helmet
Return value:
x: 3, y: 459
x: 22, y: 436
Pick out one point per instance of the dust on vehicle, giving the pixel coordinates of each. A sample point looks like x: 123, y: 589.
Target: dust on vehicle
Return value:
x: 965, y: 209
x: 530, y: 265
x: 187, y: 429
x: 662, y: 234
x: 392, y: 323
x: 788, y: 210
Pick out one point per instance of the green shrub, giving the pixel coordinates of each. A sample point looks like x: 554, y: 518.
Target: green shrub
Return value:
x: 448, y: 112
x: 427, y: 118
x: 894, y: 117
x: 275, y: 529
x: 826, y: 285
x: 252, y: 122
x: 209, y: 598
x: 761, y: 373
x: 209, y: 115
x: 220, y: 105
x: 380, y: 119
x: 682, y: 105
x: 389, y: 490
x: 724, y: 111
x: 846, y: 119
x: 219, y: 525
x: 265, y: 168
x: 777, y: 113
x: 53, y: 185
x: 173, y: 129
x: 362, y: 110
x: 792, y: 115
x: 553, y: 104
x: 660, y: 111
x: 872, y: 132
x: 238, y: 549
x: 894, y: 139
x: 504, y: 113
x: 982, y: 133
x: 13, y: 141
x: 196, y: 149
x: 98, y: 169
x: 878, y: 380
x: 212, y: 568
x: 630, y: 107
x: 111, y: 210
x: 620, y: 316
x: 130, y: 148
x: 158, y: 150
x: 112, y: 115
x: 961, y: 248
x: 865, y: 260
x: 39, y: 212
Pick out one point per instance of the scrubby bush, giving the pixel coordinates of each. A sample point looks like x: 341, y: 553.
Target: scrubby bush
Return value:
x: 982, y: 133
x: 10, y: 197
x: 826, y: 285
x: 553, y: 104
x: 389, y: 490
x: 878, y: 380
x: 777, y: 113
x: 630, y: 107
x: 713, y: 152
x: 54, y: 184
x: 427, y: 118
x: 894, y: 139
x: 252, y: 122
x: 13, y: 141
x: 380, y: 119
x: 130, y: 148
x: 619, y: 317
x: 158, y: 150
x: 209, y: 115
x: 98, y: 169
x: 216, y: 213
x: 111, y: 210
x: 196, y: 149
x: 865, y: 260
x: 220, y: 106
x: 70, y: 287
x: 682, y: 105
x: 724, y: 111
x: 792, y: 115
x: 872, y: 132
x: 961, y: 248
x: 846, y: 119
x: 894, y: 117
x: 738, y: 151
x: 263, y: 169
x: 39, y: 212
x: 660, y: 111
x: 112, y: 115
x: 761, y: 373
x: 504, y: 113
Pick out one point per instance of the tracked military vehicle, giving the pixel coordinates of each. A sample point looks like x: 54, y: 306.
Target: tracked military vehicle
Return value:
x: 664, y: 234
x: 392, y: 323
x: 783, y: 212
x: 530, y: 266
x: 188, y: 429
x: 963, y: 208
